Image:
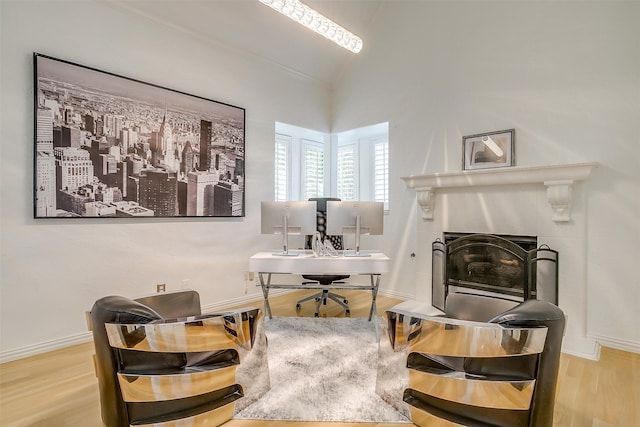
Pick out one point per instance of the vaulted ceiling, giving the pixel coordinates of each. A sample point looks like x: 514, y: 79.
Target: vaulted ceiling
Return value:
x: 254, y: 29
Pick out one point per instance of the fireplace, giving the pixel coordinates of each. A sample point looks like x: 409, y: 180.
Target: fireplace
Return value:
x: 506, y: 266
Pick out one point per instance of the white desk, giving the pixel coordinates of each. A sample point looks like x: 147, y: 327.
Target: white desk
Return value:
x: 266, y: 263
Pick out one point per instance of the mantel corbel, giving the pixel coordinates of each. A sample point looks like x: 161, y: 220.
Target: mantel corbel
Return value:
x: 558, y: 180
x: 559, y: 197
x: 426, y: 198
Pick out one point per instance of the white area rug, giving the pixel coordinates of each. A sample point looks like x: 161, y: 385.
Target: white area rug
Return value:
x: 322, y: 369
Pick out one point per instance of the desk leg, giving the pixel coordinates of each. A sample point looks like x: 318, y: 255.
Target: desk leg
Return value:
x: 374, y: 294
x: 265, y: 292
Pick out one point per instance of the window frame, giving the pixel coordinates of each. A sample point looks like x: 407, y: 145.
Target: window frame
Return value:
x: 363, y: 140
x: 299, y: 137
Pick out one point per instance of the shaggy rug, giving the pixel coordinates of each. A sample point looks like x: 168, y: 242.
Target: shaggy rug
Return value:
x: 322, y: 369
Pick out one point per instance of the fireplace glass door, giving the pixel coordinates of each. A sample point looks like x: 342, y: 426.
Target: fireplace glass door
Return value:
x: 504, y: 266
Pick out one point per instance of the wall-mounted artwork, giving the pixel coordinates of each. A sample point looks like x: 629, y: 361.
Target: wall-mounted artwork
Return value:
x: 111, y: 146
x: 488, y: 150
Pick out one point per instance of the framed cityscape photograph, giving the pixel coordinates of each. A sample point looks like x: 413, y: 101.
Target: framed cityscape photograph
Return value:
x: 488, y: 150
x: 111, y: 146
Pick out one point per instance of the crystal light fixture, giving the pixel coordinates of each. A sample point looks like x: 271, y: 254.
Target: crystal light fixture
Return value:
x: 303, y: 14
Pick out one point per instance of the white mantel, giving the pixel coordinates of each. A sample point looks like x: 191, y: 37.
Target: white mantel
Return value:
x: 558, y: 180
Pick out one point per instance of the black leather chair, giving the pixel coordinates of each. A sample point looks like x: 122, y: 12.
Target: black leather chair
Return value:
x: 326, y: 280
x: 497, y: 372
x: 184, y: 368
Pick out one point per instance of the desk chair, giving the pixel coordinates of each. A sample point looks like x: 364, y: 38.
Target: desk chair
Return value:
x: 326, y: 280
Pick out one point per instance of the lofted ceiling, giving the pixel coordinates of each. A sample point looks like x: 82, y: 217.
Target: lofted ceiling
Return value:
x: 251, y: 27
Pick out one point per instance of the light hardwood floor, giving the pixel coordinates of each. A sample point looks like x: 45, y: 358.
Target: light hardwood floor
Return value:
x: 59, y: 388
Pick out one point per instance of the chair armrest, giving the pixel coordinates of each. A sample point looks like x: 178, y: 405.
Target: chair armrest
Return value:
x: 209, y: 332
x: 461, y: 338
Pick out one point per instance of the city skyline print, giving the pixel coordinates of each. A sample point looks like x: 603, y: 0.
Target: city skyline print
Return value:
x: 111, y: 146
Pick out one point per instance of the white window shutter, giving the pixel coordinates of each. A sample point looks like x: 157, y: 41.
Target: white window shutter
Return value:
x: 282, y: 170
x: 312, y: 169
x: 381, y: 171
x: 346, y: 172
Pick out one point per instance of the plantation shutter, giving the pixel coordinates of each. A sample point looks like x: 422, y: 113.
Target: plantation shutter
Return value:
x: 283, y: 142
x: 381, y: 171
x: 346, y: 172
x: 312, y: 169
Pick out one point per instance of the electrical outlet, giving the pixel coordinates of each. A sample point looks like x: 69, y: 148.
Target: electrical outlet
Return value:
x: 251, y: 276
x: 161, y: 287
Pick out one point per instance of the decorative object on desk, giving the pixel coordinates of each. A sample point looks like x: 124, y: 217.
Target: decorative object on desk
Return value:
x: 329, y: 250
x: 322, y: 248
x: 325, y: 249
x: 111, y: 146
x: 322, y: 370
x: 316, y: 245
x: 488, y: 150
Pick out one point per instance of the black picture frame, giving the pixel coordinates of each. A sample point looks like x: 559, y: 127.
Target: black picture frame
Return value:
x: 109, y: 146
x: 489, y: 150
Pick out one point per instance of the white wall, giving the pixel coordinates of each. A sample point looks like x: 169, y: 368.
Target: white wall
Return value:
x: 566, y: 76
x: 53, y: 270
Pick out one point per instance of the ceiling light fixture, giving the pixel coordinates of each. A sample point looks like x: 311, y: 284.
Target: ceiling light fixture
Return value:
x: 303, y: 14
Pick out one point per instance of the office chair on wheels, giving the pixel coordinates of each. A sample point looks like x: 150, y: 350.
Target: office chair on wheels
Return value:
x: 326, y: 280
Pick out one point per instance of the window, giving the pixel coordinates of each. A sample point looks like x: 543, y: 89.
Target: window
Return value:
x: 352, y: 165
x: 300, y: 166
x: 362, y: 164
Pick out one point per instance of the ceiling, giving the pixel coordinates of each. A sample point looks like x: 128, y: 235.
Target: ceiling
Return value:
x: 250, y: 27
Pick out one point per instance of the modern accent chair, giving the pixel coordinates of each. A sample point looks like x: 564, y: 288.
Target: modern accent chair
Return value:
x: 325, y: 280
x: 160, y: 362
x: 500, y: 371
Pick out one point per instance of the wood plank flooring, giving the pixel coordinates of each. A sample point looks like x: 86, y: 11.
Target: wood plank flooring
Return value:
x: 59, y: 388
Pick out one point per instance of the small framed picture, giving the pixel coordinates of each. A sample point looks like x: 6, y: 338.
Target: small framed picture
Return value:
x: 488, y: 150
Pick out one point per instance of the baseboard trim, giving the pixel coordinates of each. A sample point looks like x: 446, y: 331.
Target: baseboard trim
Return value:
x: 618, y: 344
x: 44, y: 347
x: 394, y: 294
x: 589, y: 356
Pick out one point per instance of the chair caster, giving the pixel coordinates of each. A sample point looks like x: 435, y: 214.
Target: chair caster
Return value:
x: 316, y: 315
x: 345, y: 301
x: 348, y: 313
x: 298, y: 307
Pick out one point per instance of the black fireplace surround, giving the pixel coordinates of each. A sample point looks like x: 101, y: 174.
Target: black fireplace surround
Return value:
x: 504, y: 266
